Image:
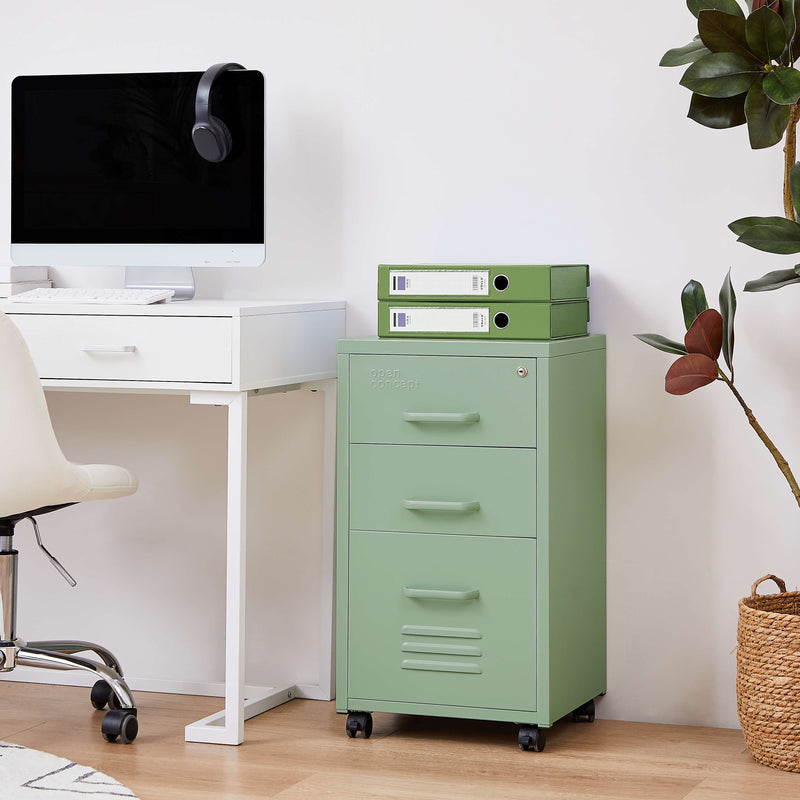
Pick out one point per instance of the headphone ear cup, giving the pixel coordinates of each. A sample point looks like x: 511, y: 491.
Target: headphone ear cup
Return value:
x: 225, y: 139
x: 212, y: 139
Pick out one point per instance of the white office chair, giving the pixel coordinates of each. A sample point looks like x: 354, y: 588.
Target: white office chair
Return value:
x: 36, y: 478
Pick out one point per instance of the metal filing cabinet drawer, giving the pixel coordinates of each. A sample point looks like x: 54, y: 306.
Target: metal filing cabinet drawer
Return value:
x: 488, y: 491
x: 443, y: 621
x: 428, y: 400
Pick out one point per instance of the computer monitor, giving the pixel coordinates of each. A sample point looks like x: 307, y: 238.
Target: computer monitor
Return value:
x: 104, y: 172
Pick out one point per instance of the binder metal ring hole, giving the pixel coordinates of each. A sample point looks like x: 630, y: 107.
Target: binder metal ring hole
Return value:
x: 500, y: 282
x: 501, y: 319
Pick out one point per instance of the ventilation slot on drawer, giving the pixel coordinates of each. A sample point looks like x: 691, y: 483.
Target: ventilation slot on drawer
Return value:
x: 441, y: 666
x: 437, y: 630
x: 442, y: 649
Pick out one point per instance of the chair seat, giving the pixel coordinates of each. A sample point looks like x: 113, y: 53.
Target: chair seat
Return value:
x: 76, y: 483
x: 106, y: 481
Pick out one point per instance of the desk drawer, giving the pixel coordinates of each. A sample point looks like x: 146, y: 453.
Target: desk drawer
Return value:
x: 447, y: 620
x: 482, y: 491
x: 129, y: 348
x: 454, y: 400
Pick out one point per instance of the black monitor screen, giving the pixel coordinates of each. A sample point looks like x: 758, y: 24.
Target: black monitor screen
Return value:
x: 109, y: 159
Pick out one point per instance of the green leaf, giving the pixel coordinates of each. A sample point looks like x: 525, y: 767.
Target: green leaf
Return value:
x: 783, y: 85
x: 766, y: 34
x: 728, y: 6
x: 687, y: 54
x: 739, y: 226
x: 794, y: 187
x: 773, y: 280
x: 727, y: 307
x: 766, y: 121
x: 720, y: 75
x: 718, y: 112
x: 779, y: 235
x: 724, y: 33
x: 693, y: 302
x: 662, y: 343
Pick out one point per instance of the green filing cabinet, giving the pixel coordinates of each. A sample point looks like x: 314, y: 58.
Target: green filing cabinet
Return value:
x: 471, y: 530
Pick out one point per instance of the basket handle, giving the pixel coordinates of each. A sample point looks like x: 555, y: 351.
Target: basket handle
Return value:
x: 778, y: 581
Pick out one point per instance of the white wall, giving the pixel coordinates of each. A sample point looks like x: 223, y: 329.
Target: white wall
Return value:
x: 444, y: 130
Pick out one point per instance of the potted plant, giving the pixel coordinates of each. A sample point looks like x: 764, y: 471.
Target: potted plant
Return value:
x: 741, y: 71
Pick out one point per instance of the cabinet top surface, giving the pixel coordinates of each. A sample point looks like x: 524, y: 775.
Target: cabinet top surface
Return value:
x: 181, y: 308
x: 372, y: 345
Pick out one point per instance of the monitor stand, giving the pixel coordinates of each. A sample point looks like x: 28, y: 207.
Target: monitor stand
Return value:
x: 179, y: 279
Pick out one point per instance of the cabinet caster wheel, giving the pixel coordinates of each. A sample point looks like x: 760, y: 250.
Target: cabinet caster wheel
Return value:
x: 103, y: 695
x: 359, y: 721
x: 531, y: 737
x: 584, y: 712
x: 120, y: 724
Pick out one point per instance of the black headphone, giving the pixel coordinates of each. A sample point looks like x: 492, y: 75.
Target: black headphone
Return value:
x: 210, y: 135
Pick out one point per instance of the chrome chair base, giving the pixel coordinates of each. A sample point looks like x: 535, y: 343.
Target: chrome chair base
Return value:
x: 61, y: 655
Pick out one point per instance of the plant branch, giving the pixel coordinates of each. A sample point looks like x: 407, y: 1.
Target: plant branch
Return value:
x: 789, y: 157
x: 779, y: 459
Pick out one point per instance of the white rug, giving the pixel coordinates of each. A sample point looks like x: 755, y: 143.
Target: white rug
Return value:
x: 27, y: 774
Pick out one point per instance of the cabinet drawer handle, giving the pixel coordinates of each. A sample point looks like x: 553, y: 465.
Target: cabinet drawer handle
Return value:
x: 450, y: 418
x: 448, y: 506
x: 108, y: 348
x: 441, y: 594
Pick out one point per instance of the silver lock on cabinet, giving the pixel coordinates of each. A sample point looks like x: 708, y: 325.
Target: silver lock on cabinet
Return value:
x: 522, y: 371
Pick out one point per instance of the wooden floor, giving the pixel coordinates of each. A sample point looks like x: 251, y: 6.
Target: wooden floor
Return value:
x: 300, y: 750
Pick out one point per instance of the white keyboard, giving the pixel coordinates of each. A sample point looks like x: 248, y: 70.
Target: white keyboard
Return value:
x: 99, y: 297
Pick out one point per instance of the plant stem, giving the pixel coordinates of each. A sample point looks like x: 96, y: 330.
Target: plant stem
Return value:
x: 789, y: 158
x: 779, y: 459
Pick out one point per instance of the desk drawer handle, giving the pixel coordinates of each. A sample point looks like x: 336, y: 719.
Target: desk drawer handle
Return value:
x: 448, y: 506
x: 441, y: 594
x: 449, y: 418
x: 108, y: 348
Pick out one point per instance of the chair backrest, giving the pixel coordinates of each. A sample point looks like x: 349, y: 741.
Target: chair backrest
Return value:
x: 33, y: 470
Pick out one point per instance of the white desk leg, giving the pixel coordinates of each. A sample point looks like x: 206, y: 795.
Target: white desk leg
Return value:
x: 227, y: 727
x: 235, y: 581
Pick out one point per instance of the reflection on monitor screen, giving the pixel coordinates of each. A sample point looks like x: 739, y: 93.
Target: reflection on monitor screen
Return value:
x: 104, y: 173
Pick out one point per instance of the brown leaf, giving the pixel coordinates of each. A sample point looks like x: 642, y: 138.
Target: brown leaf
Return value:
x: 775, y: 5
x: 705, y: 334
x: 689, y: 373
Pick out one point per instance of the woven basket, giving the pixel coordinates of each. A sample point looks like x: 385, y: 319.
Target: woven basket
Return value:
x: 768, y: 675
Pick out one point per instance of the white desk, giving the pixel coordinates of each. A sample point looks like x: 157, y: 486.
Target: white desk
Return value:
x: 219, y: 352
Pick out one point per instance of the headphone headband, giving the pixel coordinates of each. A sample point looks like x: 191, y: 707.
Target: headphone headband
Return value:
x: 207, y: 79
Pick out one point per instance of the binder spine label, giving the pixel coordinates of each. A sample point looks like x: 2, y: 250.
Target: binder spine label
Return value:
x: 409, y: 319
x: 439, y: 282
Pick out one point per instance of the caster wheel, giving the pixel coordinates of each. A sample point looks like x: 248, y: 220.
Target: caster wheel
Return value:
x: 101, y: 691
x: 531, y: 737
x: 359, y: 721
x: 584, y: 712
x: 103, y: 695
x: 120, y: 724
